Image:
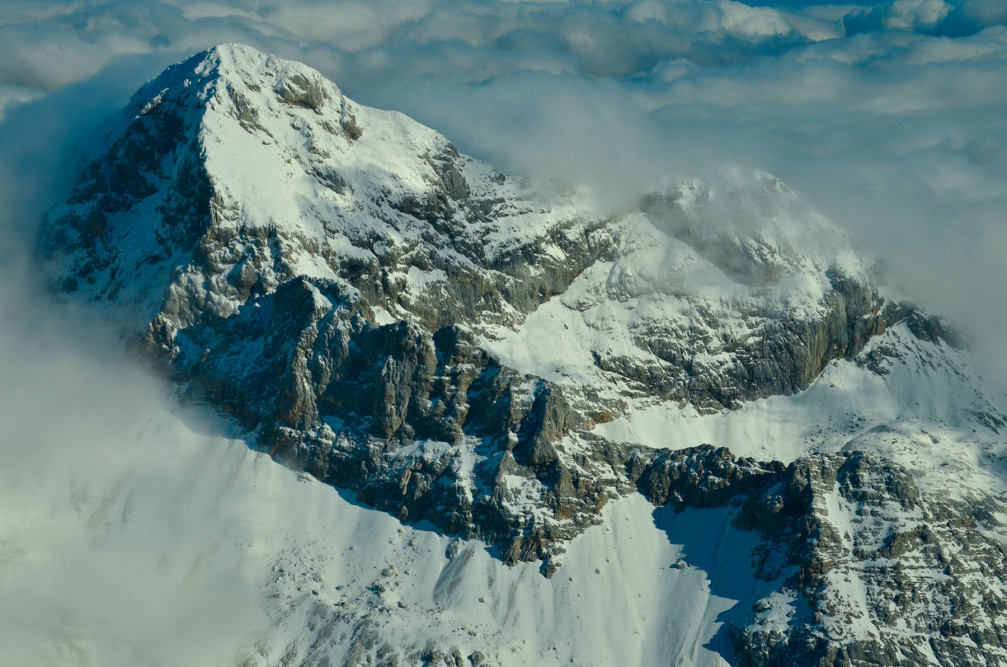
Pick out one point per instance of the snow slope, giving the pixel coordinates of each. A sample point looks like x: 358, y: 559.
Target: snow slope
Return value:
x: 136, y: 533
x: 925, y: 413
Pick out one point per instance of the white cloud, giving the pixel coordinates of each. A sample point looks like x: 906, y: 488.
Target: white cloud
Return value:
x: 14, y: 95
x: 740, y: 19
x: 107, y: 537
x: 910, y: 14
x: 985, y: 12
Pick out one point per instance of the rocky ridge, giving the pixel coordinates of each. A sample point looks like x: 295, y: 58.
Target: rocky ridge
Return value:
x: 867, y: 566
x: 365, y: 300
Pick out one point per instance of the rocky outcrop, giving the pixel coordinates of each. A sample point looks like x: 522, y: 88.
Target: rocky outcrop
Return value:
x: 774, y: 355
x: 869, y: 571
x: 880, y: 567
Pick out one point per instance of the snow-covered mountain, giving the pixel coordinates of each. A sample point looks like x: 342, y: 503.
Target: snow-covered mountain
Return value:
x: 514, y: 364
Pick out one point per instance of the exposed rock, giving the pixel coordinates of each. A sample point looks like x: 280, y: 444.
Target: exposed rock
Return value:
x: 845, y: 523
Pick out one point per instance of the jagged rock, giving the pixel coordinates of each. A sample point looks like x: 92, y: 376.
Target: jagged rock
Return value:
x: 897, y: 546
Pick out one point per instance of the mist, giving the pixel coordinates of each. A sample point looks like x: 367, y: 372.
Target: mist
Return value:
x: 117, y: 544
x: 888, y: 117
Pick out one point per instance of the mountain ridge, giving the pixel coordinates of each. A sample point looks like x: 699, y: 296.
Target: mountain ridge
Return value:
x: 375, y: 307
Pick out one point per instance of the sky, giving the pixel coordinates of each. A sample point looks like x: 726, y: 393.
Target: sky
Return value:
x: 889, y: 117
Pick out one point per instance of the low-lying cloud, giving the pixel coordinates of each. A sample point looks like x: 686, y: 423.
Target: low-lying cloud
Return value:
x: 115, y: 546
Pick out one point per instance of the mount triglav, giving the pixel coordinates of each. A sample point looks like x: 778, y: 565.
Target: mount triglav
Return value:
x: 504, y: 362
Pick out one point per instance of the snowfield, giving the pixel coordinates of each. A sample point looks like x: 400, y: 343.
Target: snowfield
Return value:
x: 136, y: 533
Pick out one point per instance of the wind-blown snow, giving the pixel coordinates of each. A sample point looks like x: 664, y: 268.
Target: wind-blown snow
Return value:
x: 743, y: 251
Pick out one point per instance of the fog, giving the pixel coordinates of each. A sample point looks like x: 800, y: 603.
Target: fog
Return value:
x: 115, y: 547
x: 888, y: 117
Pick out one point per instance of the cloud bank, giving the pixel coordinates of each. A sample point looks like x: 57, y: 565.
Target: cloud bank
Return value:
x: 117, y: 542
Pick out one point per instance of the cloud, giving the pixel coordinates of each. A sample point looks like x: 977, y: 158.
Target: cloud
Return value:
x: 898, y: 15
x: 14, y: 95
x: 910, y: 14
x: 985, y: 12
x: 114, y: 548
x: 51, y: 44
x: 740, y: 19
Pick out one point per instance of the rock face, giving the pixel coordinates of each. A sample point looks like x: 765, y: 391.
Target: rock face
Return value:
x: 406, y: 322
x: 867, y: 565
x: 923, y: 563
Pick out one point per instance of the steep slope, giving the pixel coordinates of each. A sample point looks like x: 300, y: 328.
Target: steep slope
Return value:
x: 235, y: 560
x: 503, y: 359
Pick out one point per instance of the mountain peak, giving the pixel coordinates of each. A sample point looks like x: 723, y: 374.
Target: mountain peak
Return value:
x: 294, y: 83
x: 503, y: 359
x: 345, y: 283
x: 232, y: 140
x: 238, y: 55
x: 250, y: 79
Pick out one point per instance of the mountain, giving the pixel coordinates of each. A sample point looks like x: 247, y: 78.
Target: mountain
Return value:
x: 506, y: 359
